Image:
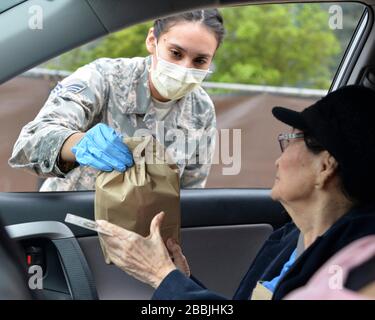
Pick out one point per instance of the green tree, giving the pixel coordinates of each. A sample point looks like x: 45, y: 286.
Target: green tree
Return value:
x: 286, y: 45
x: 129, y: 42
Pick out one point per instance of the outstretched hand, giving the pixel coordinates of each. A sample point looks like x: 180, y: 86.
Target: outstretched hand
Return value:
x: 145, y: 258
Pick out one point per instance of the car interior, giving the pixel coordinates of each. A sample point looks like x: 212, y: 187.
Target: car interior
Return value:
x: 71, y: 257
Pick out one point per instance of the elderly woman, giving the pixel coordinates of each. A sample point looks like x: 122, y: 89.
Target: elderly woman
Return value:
x: 324, y: 180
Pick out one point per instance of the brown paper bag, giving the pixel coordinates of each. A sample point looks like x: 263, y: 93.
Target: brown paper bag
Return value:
x: 132, y: 198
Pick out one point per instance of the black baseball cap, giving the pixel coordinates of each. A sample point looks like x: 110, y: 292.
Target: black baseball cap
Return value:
x: 343, y: 122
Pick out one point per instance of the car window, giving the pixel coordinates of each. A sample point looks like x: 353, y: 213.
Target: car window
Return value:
x: 279, y: 54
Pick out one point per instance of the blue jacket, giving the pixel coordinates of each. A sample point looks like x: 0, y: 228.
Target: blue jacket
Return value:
x: 355, y: 224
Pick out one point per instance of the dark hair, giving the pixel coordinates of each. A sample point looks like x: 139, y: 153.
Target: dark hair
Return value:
x: 211, y: 18
x: 312, y: 144
x: 347, y: 185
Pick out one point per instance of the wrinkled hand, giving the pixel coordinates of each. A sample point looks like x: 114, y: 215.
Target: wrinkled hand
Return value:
x: 146, y: 259
x: 178, y: 258
x: 102, y: 148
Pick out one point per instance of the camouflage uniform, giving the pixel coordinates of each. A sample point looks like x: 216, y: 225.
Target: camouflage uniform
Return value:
x: 115, y: 92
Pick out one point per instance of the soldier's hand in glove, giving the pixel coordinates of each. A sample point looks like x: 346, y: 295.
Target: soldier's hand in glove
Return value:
x: 102, y: 148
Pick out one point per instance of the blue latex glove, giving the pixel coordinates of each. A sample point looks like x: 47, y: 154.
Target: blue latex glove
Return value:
x: 102, y: 148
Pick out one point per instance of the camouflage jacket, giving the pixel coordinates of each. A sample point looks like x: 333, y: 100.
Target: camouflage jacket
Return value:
x: 115, y: 92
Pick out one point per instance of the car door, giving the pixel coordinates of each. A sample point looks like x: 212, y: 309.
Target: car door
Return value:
x: 223, y: 225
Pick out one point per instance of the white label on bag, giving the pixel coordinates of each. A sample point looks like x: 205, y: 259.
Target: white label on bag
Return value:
x: 84, y: 223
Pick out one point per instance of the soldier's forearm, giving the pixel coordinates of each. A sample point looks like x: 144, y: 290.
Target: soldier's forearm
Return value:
x: 66, y: 153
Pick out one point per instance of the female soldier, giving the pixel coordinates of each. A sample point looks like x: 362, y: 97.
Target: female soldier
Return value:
x: 77, y: 123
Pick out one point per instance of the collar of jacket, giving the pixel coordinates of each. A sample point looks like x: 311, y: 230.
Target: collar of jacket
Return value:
x: 143, y: 89
x: 269, y: 260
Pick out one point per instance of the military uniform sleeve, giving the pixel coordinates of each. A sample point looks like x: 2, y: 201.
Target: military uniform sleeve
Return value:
x: 198, y: 166
x: 74, y: 105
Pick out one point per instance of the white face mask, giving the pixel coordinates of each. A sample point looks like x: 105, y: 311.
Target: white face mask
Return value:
x: 173, y: 81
